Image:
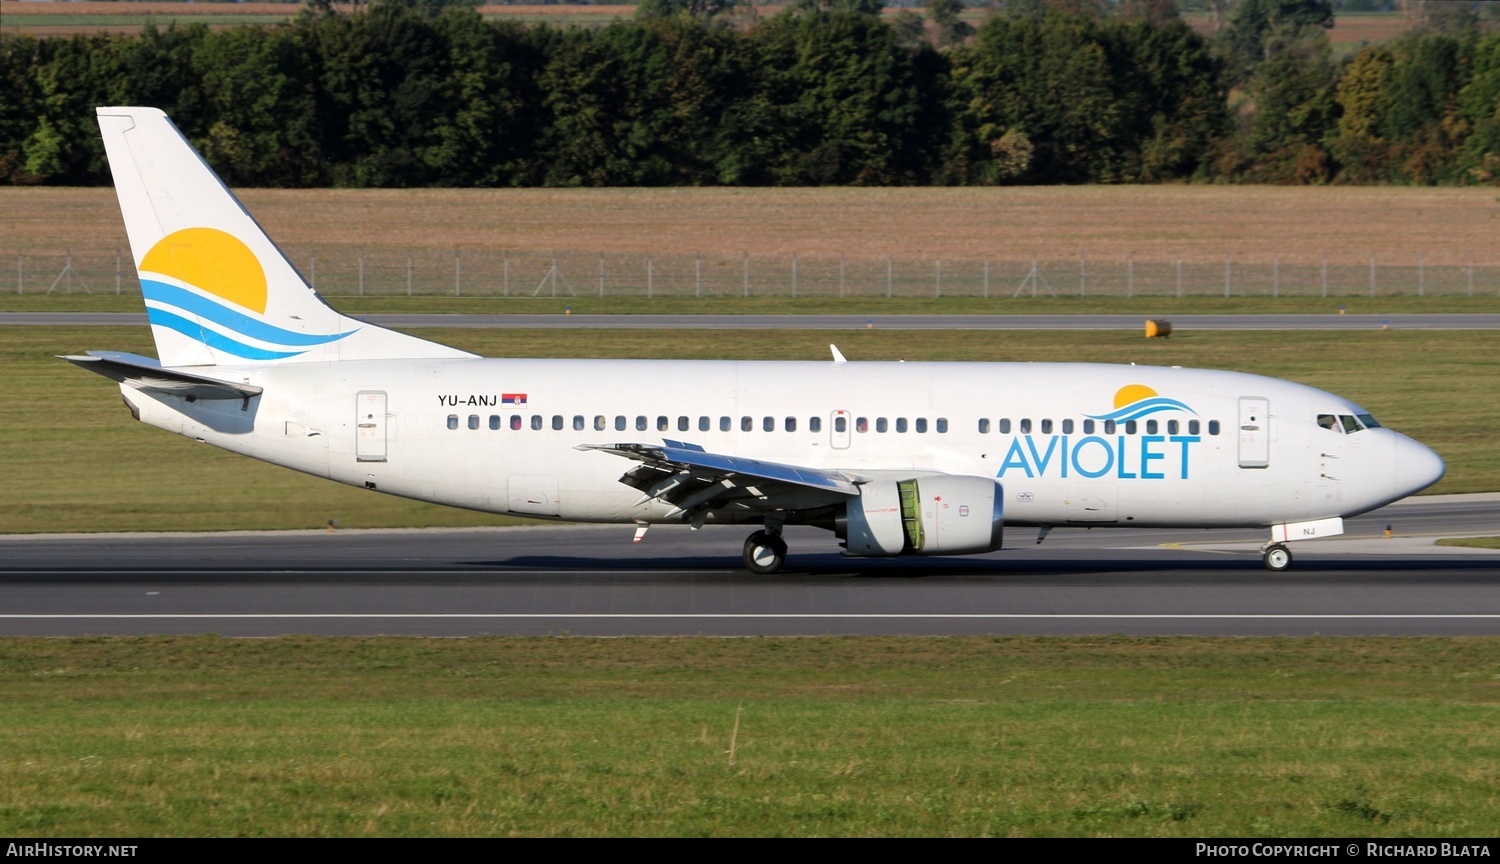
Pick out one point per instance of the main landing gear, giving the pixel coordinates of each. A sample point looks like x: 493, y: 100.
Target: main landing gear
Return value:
x: 765, y: 552
x: 1276, y: 556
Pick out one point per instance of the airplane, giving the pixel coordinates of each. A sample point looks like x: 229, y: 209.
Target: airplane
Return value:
x: 894, y: 458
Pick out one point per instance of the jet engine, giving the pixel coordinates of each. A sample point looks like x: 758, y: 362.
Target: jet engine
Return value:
x: 933, y: 515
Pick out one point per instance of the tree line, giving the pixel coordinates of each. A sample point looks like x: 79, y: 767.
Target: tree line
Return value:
x: 697, y: 92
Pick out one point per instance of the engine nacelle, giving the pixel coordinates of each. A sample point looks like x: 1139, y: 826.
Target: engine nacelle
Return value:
x: 935, y: 515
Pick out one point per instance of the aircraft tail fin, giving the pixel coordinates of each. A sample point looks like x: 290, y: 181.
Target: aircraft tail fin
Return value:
x: 218, y: 291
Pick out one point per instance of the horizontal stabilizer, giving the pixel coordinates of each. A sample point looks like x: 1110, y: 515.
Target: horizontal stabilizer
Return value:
x: 144, y: 373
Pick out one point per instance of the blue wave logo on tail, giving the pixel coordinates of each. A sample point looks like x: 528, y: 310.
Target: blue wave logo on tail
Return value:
x: 197, y: 281
x: 1134, y: 401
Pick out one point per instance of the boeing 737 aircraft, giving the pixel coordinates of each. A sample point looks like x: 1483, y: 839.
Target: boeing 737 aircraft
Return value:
x: 893, y: 458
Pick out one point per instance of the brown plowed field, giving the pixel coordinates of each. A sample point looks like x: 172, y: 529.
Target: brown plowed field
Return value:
x: 1162, y: 223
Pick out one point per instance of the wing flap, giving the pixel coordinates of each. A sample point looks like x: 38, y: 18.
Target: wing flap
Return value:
x: 144, y: 373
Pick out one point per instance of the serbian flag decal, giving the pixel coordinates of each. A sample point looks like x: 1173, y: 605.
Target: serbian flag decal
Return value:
x: 512, y: 398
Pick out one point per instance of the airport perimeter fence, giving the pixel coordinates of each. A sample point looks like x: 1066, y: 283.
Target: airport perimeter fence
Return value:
x: 521, y: 275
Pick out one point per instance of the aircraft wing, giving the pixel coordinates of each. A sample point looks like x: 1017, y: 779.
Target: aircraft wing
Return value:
x: 144, y: 373
x: 688, y: 477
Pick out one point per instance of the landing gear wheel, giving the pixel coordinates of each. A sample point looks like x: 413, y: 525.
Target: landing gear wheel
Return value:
x: 764, y: 552
x: 1277, y: 557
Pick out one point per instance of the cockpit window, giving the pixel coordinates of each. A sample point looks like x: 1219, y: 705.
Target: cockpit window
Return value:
x: 1328, y: 421
x: 1369, y: 421
x: 1350, y: 424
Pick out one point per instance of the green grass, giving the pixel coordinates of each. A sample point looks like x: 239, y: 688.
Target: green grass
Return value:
x: 1143, y: 306
x: 836, y: 737
x: 75, y: 461
x: 1473, y: 542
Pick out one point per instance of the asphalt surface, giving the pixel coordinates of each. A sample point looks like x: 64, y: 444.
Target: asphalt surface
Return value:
x: 591, y: 580
x: 1180, y: 323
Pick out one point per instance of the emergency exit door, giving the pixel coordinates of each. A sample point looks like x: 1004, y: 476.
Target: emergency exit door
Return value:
x: 369, y: 426
x: 1255, y: 432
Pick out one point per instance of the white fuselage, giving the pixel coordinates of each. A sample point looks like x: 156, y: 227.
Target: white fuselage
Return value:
x: 503, y: 435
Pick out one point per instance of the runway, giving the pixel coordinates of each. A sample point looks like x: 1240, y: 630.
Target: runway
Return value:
x: 591, y: 580
x: 1180, y: 323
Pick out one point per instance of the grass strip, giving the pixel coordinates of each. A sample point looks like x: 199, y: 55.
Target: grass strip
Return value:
x: 1472, y: 542
x: 1175, y: 737
x: 76, y: 461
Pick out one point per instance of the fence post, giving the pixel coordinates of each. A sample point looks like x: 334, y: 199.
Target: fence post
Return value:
x: 408, y: 275
x: 361, y: 274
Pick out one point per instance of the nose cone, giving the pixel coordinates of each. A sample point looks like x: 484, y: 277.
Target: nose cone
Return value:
x: 1417, y: 467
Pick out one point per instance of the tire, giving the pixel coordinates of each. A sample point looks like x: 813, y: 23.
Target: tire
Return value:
x: 764, y: 553
x: 1278, y: 558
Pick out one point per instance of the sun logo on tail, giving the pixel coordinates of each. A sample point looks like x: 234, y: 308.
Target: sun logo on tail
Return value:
x: 197, y: 281
x: 1134, y: 401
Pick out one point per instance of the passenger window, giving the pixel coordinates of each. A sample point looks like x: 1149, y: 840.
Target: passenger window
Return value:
x: 536, y: 421
x: 640, y: 423
x: 1213, y: 427
x: 683, y: 424
x: 494, y: 421
x: 984, y: 425
x: 619, y: 422
x: 1194, y: 427
x: 1109, y: 427
x: 901, y: 424
x: 862, y: 425
x: 452, y: 421
x: 747, y: 424
x: 942, y: 425
x: 1172, y: 427
x: 841, y: 424
x: 515, y: 421
x: 1151, y: 427
x: 663, y: 424
x: 704, y: 424
x: 578, y: 422
x: 921, y: 424
x: 1067, y: 427
x: 1130, y: 426
x: 1005, y: 426
x: 768, y: 424
x: 791, y: 424
x: 600, y: 422
x: 1025, y: 426
x: 473, y: 421
x: 557, y: 422
x: 1046, y: 427
x: 882, y: 424
x: 815, y: 424
x: 1088, y: 427
x: 724, y: 424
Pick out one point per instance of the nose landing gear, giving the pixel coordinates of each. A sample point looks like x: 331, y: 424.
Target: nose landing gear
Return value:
x: 765, y: 552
